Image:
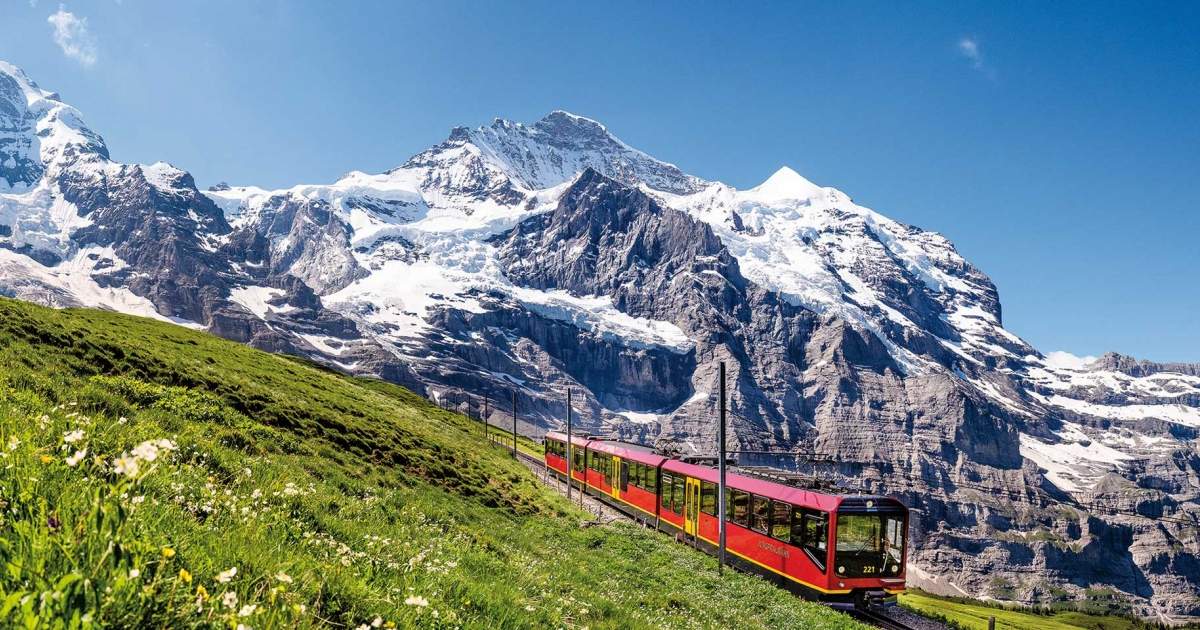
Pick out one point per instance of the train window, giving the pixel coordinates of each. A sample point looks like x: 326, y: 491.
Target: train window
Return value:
x: 869, y: 545
x: 708, y: 498
x: 759, y: 513
x: 781, y: 521
x: 652, y: 479
x: 739, y: 503
x: 798, y: 527
x: 677, y: 493
x: 595, y: 458
x: 578, y: 455
x: 666, y: 493
x: 816, y: 529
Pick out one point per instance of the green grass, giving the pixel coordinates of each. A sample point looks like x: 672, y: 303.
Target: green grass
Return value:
x: 338, y: 500
x: 974, y: 616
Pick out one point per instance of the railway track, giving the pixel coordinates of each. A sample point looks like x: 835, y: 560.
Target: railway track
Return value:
x: 892, y: 618
x: 895, y: 618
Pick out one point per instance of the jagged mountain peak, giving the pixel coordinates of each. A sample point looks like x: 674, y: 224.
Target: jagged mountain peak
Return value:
x: 39, y: 132
x: 1132, y: 366
x: 565, y: 124
x: 545, y: 154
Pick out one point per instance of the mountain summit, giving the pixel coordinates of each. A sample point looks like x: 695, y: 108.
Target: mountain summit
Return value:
x: 785, y: 184
x: 530, y: 258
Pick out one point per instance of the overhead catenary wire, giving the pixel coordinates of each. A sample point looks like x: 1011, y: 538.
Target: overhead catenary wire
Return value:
x: 1012, y: 495
x: 897, y: 481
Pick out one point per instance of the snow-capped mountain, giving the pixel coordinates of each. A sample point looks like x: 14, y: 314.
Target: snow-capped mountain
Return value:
x: 536, y: 257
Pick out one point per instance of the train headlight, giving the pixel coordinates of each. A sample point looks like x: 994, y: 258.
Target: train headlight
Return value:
x: 841, y: 569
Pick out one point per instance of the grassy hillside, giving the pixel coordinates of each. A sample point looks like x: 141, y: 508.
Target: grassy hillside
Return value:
x: 152, y: 476
x: 974, y: 616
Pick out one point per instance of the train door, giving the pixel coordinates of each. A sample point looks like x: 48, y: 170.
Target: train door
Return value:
x: 614, y: 476
x: 691, y: 509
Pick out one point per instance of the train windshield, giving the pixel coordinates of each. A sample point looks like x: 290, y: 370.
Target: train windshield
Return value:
x: 869, y: 545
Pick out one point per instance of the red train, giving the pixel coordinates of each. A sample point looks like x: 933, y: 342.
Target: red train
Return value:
x: 778, y: 531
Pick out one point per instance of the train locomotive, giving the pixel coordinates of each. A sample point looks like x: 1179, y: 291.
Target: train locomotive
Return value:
x: 846, y: 550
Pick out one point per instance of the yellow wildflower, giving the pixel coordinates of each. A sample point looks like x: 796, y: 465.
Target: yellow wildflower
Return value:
x: 46, y: 459
x: 186, y: 577
x: 168, y: 553
x: 201, y: 592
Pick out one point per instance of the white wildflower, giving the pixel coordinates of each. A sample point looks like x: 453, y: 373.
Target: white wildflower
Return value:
x: 74, y: 460
x: 416, y: 600
x: 283, y: 577
x: 71, y: 437
x: 134, y: 573
x: 225, y: 576
x: 229, y: 599
x: 247, y: 610
x: 146, y: 451
x: 126, y: 465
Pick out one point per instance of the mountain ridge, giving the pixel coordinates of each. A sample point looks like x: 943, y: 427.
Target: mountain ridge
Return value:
x: 511, y: 257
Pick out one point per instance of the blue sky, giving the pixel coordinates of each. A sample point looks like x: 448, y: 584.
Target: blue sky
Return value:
x: 1057, y: 144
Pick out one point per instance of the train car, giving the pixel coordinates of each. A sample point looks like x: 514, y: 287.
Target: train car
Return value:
x: 624, y: 475
x: 564, y: 461
x: 784, y: 533
x: 845, y: 549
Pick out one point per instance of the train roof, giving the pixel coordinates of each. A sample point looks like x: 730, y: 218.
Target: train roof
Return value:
x: 632, y: 452
x: 753, y: 484
x: 769, y: 489
x: 627, y: 450
x: 576, y: 439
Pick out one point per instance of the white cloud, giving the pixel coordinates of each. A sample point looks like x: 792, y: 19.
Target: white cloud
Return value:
x: 969, y: 47
x: 972, y: 51
x: 1060, y: 359
x: 73, y: 37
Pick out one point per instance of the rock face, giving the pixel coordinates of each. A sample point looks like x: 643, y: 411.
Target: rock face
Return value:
x: 533, y: 258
